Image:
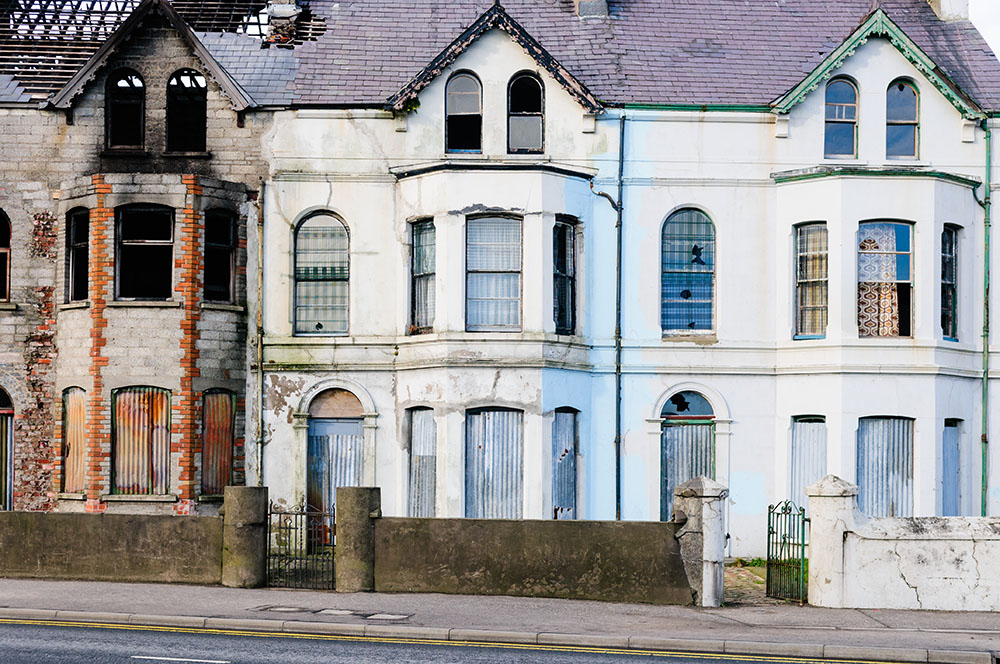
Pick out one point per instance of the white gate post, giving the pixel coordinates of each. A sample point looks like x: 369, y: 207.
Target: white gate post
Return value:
x: 702, y: 536
x: 832, y: 504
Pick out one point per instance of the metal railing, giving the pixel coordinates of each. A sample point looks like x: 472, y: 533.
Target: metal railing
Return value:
x: 300, y: 545
x: 787, y: 539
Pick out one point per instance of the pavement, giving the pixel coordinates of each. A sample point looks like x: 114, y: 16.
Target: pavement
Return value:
x: 778, y: 629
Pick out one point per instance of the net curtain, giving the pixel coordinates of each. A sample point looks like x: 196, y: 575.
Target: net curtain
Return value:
x: 878, y: 298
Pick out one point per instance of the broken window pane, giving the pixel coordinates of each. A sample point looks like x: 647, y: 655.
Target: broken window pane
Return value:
x: 463, y: 109
x: 884, y: 281
x: 220, y: 245
x: 525, y: 115
x: 77, y: 232
x: 124, y: 110
x: 187, y: 94
x: 322, y: 271
x: 145, y: 252
x: 688, y: 286
x: 901, y: 105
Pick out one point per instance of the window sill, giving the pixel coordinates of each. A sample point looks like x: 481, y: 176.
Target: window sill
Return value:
x: 71, y: 496
x: 8, y: 306
x: 477, y: 155
x: 188, y: 155
x: 905, y: 161
x: 808, y: 337
x: 69, y: 306
x: 137, y: 498
x: 152, y: 304
x: 953, y: 340
x: 124, y: 153
x: 210, y: 499
x: 222, y: 306
x: 707, y: 338
x: 843, y: 161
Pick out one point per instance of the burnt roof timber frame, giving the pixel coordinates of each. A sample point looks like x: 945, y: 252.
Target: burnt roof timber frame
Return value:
x: 494, y: 17
x: 240, y: 99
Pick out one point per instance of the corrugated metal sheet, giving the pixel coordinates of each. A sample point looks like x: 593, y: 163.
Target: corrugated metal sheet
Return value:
x: 217, y: 432
x: 951, y: 471
x: 6, y: 461
x: 494, y: 464
x: 141, y: 441
x: 564, y: 465
x: 688, y: 451
x: 336, y: 456
x: 885, y: 466
x: 74, y: 439
x: 423, y: 462
x: 808, y: 456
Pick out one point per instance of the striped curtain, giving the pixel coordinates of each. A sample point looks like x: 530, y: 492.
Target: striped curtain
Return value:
x: 74, y: 439
x: 494, y: 464
x: 218, y: 428
x: 423, y: 462
x: 811, y: 279
x: 885, y: 466
x: 140, y: 447
x: 687, y: 451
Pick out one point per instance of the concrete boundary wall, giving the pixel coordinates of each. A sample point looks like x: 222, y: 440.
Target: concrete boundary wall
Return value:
x: 939, y: 563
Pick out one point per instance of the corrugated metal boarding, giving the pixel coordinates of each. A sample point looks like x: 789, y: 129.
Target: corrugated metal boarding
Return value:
x: 75, y: 439
x: 6, y: 460
x: 885, y: 466
x: 218, y: 428
x: 494, y: 464
x: 141, y: 441
x: 688, y: 451
x: 423, y: 462
x: 951, y: 470
x: 335, y: 459
x: 564, y: 449
x: 808, y: 455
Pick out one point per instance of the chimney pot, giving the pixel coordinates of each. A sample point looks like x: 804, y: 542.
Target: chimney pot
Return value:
x: 951, y: 10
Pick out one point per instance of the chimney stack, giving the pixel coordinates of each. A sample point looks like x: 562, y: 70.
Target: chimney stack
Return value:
x: 591, y: 8
x: 951, y: 10
x: 281, y: 21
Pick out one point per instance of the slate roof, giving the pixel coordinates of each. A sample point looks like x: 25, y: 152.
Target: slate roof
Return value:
x: 743, y: 52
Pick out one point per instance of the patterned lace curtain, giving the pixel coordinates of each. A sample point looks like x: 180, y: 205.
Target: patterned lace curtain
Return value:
x: 878, y: 297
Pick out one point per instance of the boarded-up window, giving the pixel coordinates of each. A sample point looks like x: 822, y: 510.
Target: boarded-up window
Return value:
x: 564, y: 449
x: 687, y: 445
x: 424, y: 267
x: 220, y: 252
x: 77, y: 265
x: 322, y: 271
x: 335, y: 451
x: 218, y: 429
x: 6, y: 452
x: 74, y: 439
x: 124, y: 112
x: 494, y: 464
x: 493, y: 274
x: 688, y: 280
x: 952, y: 481
x: 423, y: 462
x: 187, y: 95
x: 140, y: 447
x: 808, y: 455
x: 885, y: 466
x: 4, y: 257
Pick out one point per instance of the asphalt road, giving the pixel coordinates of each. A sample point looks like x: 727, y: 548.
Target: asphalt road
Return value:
x: 30, y: 642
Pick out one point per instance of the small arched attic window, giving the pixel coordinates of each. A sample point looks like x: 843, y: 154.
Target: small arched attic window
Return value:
x: 464, y: 113
x: 125, y: 109
x: 187, y: 108
x: 841, y: 135
x: 902, y: 105
x: 525, y: 114
x: 4, y: 257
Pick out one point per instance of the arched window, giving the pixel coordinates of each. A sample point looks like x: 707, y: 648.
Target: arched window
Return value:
x: 6, y: 452
x: 218, y: 434
x: 687, y: 445
x: 220, y: 252
x: 74, y: 439
x: 902, y: 107
x: 77, y: 254
x: 525, y: 114
x: 4, y: 257
x: 688, y: 286
x: 464, y: 113
x: 841, y: 119
x: 335, y: 451
x: 322, y: 273
x: 145, y: 247
x: 125, y: 110
x: 187, y: 108
x: 140, y: 441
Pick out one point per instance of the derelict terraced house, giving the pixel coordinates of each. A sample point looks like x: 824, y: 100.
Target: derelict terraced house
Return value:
x: 534, y: 259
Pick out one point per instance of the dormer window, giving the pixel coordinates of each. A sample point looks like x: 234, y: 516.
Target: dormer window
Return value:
x: 125, y: 108
x: 187, y: 108
x: 464, y: 113
x: 525, y: 114
x: 841, y: 138
x: 901, y: 124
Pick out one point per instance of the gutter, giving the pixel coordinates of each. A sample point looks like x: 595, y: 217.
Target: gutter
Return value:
x: 987, y: 223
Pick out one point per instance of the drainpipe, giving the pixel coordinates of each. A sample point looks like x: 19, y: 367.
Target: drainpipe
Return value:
x: 986, y: 307
x: 260, y: 334
x: 618, y: 207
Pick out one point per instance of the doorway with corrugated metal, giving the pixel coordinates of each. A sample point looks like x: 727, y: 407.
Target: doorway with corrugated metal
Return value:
x: 687, y: 445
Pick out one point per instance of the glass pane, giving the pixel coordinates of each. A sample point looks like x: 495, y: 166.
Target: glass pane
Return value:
x: 687, y: 404
x: 79, y: 223
x: 321, y: 249
x: 463, y: 83
x: 494, y: 301
x: 525, y: 132
x: 78, y: 273
x: 901, y: 103
x: 688, y: 242
x: 423, y: 248
x: 321, y: 306
x: 463, y: 95
x: 901, y: 140
x: 839, y: 139
x: 494, y: 244
x: 841, y: 92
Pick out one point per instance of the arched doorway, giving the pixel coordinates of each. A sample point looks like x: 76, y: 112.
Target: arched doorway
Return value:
x: 687, y: 445
x: 6, y: 452
x: 335, y: 450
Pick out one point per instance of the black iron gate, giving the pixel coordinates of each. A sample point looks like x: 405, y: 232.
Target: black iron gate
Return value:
x: 787, y: 564
x: 300, y: 544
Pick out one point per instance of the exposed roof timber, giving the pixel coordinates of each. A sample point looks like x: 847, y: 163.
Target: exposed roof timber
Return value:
x: 494, y: 17
x: 878, y: 24
x: 241, y: 100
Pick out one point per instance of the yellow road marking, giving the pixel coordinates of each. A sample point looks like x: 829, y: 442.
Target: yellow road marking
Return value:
x: 434, y: 642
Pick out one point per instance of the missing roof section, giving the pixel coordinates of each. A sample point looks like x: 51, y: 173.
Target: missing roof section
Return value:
x: 44, y: 42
